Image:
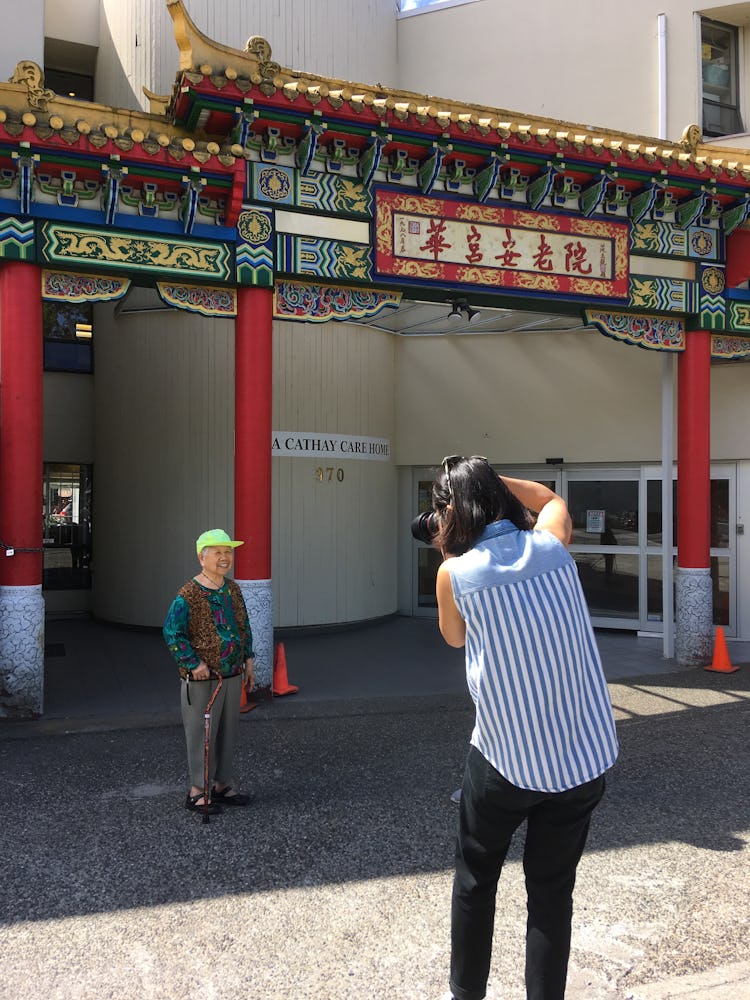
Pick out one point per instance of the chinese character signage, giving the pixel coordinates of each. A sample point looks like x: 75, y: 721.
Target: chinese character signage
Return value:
x: 436, y: 239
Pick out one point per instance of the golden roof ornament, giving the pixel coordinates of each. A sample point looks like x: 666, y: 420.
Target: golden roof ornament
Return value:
x: 692, y: 137
x: 30, y: 75
x: 261, y: 49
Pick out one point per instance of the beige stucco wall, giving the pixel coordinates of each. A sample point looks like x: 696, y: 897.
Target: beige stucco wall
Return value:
x: 334, y: 558
x: 590, y: 63
x: 164, y: 408
x: 68, y: 418
x: 522, y: 398
x: 164, y: 437
x: 730, y: 423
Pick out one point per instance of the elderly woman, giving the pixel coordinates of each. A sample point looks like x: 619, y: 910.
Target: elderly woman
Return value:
x: 208, y: 633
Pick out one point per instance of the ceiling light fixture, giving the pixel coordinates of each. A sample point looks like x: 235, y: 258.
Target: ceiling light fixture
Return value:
x: 455, y: 313
x: 461, y: 306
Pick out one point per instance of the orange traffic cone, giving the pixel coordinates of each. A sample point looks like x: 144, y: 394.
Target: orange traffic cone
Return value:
x: 281, y: 683
x: 245, y: 704
x: 721, y: 663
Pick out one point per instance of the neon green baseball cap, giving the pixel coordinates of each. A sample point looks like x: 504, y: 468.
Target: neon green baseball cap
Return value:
x: 215, y: 538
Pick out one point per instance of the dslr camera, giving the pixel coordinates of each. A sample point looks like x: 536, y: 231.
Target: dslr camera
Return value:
x: 424, y: 527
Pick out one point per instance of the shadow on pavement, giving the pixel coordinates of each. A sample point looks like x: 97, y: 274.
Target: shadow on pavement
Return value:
x: 94, y: 822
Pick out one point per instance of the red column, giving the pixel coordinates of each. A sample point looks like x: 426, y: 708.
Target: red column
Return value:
x: 693, y: 452
x: 21, y: 364
x: 252, y: 432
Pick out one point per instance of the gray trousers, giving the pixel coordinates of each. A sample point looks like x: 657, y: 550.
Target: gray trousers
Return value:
x: 225, y: 721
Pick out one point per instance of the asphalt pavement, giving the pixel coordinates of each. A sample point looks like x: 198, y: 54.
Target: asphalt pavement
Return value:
x: 335, y: 884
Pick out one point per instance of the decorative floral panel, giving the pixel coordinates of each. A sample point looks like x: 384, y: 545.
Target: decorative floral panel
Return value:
x: 730, y: 347
x: 656, y: 333
x: 738, y: 316
x: 662, y: 294
x: 317, y: 303
x: 64, y: 286
x: 203, y: 299
x: 712, y: 310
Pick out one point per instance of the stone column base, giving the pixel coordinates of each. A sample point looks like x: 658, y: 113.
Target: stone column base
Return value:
x: 21, y: 652
x: 259, y: 600
x: 694, y: 627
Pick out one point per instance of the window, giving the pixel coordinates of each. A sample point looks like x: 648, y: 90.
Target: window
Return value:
x: 68, y: 330
x: 69, y: 68
x: 407, y: 7
x: 66, y: 512
x: 719, y: 71
x: 77, y: 85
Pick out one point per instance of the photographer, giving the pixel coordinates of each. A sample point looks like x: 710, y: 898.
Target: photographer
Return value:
x: 544, y: 732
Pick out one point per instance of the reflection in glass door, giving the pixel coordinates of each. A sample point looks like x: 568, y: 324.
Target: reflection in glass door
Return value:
x: 605, y: 508
x: 66, y: 513
x: 428, y: 559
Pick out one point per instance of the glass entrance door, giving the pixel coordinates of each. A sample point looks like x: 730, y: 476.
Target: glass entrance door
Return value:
x: 723, y: 545
x: 427, y: 559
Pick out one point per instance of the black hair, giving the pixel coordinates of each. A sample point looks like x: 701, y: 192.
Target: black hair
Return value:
x: 467, y: 498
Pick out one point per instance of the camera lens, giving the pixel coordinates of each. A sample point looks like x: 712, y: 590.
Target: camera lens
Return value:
x: 424, y: 527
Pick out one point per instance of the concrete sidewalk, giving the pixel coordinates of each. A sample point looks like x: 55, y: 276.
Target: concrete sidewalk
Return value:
x: 100, y: 675
x: 335, y: 884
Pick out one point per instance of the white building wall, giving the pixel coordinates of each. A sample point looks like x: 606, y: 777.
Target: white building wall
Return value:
x: 72, y: 21
x: 589, y: 63
x: 25, y: 39
x: 134, y: 39
x: 730, y: 417
x: 337, y: 38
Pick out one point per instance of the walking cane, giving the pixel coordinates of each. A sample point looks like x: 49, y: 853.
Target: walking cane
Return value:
x: 207, y: 742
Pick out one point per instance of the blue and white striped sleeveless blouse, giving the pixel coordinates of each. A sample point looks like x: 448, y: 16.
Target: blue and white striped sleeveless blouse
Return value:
x: 543, y: 715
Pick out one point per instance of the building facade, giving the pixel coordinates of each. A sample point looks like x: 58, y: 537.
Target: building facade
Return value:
x: 271, y: 299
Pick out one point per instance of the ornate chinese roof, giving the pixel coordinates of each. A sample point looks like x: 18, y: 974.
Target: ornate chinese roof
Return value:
x: 74, y: 150
x: 244, y: 97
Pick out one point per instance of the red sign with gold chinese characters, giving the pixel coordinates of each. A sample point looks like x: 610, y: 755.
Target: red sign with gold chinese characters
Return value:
x: 434, y: 239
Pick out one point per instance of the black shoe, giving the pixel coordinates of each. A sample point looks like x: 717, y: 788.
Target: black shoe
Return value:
x: 191, y: 803
x: 231, y: 800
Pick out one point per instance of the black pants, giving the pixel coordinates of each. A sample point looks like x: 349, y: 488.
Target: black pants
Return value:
x: 491, y: 810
